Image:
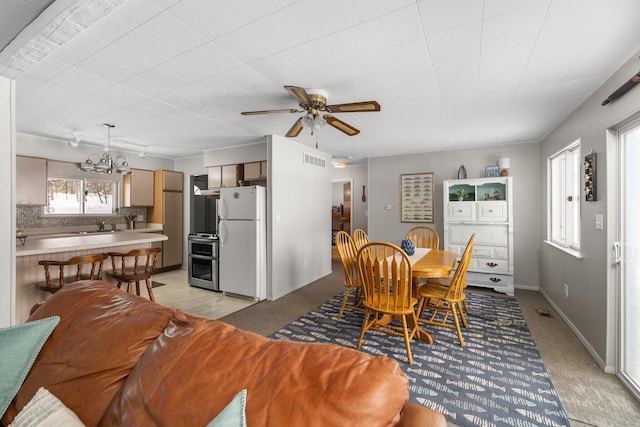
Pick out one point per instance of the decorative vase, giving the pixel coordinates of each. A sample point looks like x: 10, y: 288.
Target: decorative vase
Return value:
x: 407, y: 246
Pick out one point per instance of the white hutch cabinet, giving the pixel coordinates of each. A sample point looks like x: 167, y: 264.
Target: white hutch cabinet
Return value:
x: 483, y: 206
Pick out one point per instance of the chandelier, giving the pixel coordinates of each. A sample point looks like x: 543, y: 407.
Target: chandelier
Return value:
x: 106, y: 163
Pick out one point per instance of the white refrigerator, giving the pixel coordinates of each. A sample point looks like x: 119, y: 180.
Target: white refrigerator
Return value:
x: 242, y: 234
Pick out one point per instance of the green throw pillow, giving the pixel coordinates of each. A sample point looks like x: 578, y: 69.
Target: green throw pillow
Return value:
x: 19, y: 347
x: 233, y: 414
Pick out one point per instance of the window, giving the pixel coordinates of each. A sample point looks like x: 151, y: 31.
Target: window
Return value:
x: 72, y: 196
x: 563, y: 218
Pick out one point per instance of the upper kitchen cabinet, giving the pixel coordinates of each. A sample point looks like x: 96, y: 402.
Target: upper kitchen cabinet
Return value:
x: 225, y: 176
x: 31, y: 181
x: 255, y: 171
x: 138, y: 188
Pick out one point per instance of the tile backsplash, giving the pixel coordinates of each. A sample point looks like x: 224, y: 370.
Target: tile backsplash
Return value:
x: 30, y: 217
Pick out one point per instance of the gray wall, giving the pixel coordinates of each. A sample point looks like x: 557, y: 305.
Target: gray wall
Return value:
x: 589, y: 309
x: 384, y: 189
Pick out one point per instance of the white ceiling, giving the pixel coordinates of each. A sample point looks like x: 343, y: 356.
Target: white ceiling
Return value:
x: 174, y: 75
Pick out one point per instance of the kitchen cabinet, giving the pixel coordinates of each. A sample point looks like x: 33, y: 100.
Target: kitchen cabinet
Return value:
x: 225, y: 176
x: 255, y: 171
x: 31, y: 181
x: 138, y: 188
x: 483, y: 206
x: 168, y: 211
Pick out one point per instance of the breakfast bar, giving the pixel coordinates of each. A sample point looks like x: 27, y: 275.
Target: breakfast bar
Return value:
x: 61, y: 247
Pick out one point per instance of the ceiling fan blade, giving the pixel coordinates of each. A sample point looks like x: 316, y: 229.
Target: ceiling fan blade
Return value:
x: 285, y: 110
x: 295, y: 129
x: 340, y: 125
x: 354, y: 107
x: 301, y: 95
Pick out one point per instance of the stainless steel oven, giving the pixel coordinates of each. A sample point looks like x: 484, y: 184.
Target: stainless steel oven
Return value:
x: 203, y: 261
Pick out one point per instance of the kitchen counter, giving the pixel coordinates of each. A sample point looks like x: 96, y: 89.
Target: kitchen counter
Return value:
x: 80, y: 242
x: 62, y: 246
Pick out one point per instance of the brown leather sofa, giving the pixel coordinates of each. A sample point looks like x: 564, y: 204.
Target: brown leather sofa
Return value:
x: 118, y: 359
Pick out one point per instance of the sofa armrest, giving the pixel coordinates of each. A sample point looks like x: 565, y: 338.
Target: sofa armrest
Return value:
x: 419, y: 416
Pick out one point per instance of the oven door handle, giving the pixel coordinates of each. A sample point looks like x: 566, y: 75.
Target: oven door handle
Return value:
x: 204, y: 257
x: 201, y: 240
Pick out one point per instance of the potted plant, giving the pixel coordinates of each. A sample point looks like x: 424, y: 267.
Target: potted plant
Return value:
x: 460, y: 192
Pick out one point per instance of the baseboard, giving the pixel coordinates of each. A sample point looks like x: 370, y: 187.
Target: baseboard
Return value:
x: 581, y: 338
x: 526, y: 287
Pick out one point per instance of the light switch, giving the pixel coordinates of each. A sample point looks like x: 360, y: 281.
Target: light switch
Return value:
x: 277, y: 218
x: 599, y: 222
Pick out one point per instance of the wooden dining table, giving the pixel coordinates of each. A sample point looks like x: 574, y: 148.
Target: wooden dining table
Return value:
x: 430, y: 263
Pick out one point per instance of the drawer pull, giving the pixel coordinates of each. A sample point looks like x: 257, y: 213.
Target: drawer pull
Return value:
x: 492, y: 264
x: 495, y: 279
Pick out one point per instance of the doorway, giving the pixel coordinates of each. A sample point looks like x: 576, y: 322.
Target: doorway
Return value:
x: 341, y: 211
x: 626, y: 254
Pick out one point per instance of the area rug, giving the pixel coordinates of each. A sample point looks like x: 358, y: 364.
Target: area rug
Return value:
x: 497, y: 379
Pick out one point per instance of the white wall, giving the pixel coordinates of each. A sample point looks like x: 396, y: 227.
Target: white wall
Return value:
x: 384, y: 189
x: 589, y: 302
x: 243, y: 154
x: 358, y: 177
x: 7, y: 194
x: 299, y: 239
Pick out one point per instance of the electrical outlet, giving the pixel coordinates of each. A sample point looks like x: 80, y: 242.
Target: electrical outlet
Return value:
x: 566, y: 290
x: 140, y: 218
x: 305, y: 262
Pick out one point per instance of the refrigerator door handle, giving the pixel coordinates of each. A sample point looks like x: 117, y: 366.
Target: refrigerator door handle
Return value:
x: 221, y: 234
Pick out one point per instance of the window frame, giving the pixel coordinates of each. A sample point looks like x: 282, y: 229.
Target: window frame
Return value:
x: 564, y: 171
x: 83, y: 180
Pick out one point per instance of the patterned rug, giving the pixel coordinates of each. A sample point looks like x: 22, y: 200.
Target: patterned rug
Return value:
x: 497, y: 379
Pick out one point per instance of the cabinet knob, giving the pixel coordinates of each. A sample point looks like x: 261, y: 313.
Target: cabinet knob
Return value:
x: 495, y: 279
x: 492, y: 264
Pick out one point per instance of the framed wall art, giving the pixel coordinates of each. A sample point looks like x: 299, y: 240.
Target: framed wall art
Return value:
x: 416, y: 198
x: 491, y: 171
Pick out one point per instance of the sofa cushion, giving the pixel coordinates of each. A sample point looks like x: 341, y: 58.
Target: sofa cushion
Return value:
x: 187, y: 376
x: 102, y: 333
x: 19, y: 346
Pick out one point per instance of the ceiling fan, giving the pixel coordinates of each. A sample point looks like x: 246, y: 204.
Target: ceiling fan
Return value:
x: 314, y: 103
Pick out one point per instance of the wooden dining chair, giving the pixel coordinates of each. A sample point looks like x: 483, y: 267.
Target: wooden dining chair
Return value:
x: 423, y: 237
x: 360, y: 238
x: 347, y: 252
x: 133, y: 267
x: 445, y: 296
x: 385, y: 272
x: 87, y: 267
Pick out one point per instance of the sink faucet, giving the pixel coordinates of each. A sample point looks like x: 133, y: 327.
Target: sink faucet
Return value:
x: 100, y: 225
x: 113, y: 227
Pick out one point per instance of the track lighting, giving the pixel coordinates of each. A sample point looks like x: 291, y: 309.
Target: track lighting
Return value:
x: 75, y: 141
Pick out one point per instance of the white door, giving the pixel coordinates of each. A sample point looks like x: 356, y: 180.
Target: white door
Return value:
x: 628, y: 257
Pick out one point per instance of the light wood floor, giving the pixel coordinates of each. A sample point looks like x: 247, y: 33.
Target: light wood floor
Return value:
x: 178, y: 294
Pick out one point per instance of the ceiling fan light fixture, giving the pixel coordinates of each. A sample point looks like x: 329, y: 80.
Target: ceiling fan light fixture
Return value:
x: 307, y: 121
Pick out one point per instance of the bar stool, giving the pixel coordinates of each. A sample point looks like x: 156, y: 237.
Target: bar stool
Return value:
x: 81, y: 261
x: 129, y: 268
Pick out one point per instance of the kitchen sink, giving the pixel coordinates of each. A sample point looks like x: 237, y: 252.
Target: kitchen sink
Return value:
x: 94, y: 232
